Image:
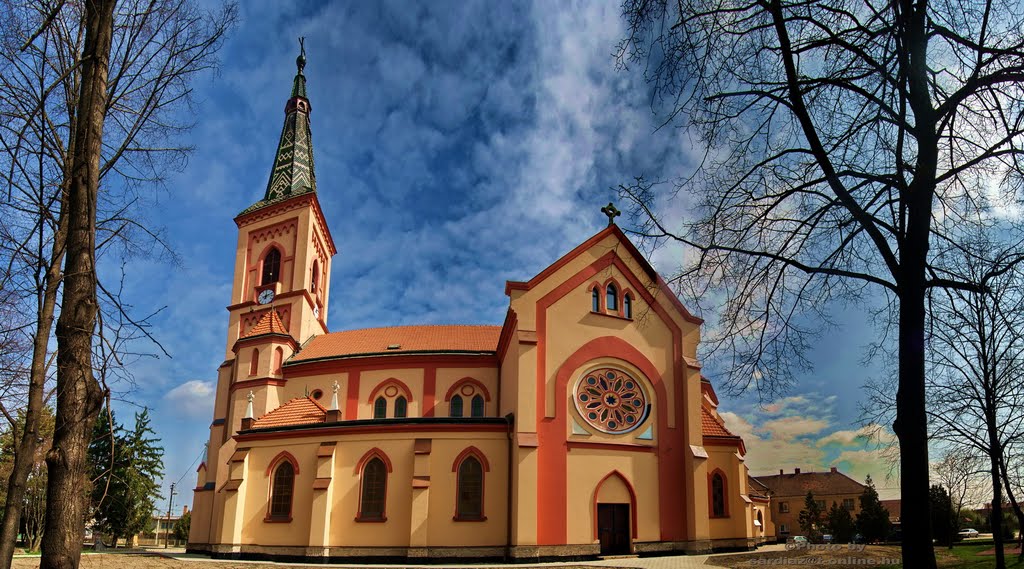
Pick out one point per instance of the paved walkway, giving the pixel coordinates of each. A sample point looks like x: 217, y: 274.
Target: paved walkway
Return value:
x: 662, y: 562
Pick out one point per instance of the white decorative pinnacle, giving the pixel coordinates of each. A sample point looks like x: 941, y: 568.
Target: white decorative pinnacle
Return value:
x: 334, y: 397
x: 248, y: 408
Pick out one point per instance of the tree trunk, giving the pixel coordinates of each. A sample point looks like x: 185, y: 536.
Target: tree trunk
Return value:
x: 78, y: 394
x: 997, y: 500
x: 25, y: 454
x: 910, y: 427
x: 1017, y: 510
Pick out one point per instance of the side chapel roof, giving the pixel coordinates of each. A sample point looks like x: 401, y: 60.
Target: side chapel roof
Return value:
x: 432, y: 339
x: 298, y: 411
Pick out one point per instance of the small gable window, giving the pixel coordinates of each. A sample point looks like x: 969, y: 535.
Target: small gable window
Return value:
x: 375, y: 483
x: 476, y: 406
x: 380, y: 408
x: 281, y: 492
x: 401, y: 407
x: 455, y: 408
x: 271, y: 267
x: 470, y: 490
x: 595, y: 300
x: 627, y: 306
x: 612, y: 298
x: 717, y: 496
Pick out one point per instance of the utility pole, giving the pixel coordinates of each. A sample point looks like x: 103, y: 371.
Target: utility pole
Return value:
x: 167, y: 527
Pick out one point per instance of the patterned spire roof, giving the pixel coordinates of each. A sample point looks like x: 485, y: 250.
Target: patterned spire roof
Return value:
x: 293, y: 173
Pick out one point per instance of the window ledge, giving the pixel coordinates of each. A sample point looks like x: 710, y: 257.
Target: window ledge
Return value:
x: 277, y: 520
x: 458, y: 518
x: 725, y: 517
x: 371, y: 520
x: 612, y: 315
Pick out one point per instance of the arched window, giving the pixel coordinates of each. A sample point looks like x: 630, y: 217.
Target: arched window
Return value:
x: 470, y: 505
x: 278, y: 359
x: 254, y: 363
x: 271, y: 267
x: 612, y: 300
x: 595, y: 300
x: 627, y: 306
x: 455, y: 408
x: 281, y: 492
x: 375, y: 483
x: 401, y: 407
x: 476, y: 406
x: 717, y: 496
x: 380, y: 408
x: 316, y: 277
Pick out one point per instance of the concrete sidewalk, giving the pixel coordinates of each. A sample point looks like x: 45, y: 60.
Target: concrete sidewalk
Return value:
x: 664, y: 562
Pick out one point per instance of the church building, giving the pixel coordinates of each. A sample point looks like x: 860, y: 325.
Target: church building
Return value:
x: 580, y: 426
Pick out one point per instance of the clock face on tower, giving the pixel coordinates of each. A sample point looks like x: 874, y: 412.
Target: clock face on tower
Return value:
x: 266, y: 295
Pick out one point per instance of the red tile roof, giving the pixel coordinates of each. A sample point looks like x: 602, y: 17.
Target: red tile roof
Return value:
x: 269, y: 323
x: 893, y: 506
x: 298, y: 411
x: 820, y: 483
x: 710, y: 426
x: 408, y: 339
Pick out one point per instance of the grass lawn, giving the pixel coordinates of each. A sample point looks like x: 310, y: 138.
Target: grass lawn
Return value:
x: 966, y: 555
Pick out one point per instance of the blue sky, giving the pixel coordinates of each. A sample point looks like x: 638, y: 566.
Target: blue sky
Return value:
x: 457, y: 145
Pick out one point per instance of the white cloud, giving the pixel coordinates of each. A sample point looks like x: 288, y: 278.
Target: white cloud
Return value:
x: 193, y: 398
x: 790, y: 428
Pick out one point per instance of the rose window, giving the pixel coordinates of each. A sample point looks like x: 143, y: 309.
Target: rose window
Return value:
x: 611, y: 401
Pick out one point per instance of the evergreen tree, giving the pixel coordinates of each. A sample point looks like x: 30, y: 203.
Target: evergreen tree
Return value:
x: 840, y: 524
x: 810, y: 517
x: 873, y: 519
x: 942, y: 515
x: 126, y: 468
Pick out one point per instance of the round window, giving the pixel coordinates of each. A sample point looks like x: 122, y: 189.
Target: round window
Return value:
x: 611, y: 401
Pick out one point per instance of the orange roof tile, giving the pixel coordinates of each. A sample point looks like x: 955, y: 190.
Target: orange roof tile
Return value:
x: 269, y: 323
x: 710, y: 426
x: 298, y: 411
x: 408, y: 339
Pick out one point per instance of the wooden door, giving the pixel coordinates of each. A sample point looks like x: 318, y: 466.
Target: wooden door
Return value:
x: 613, y: 528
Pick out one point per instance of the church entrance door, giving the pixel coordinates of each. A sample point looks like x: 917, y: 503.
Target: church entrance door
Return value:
x: 613, y: 528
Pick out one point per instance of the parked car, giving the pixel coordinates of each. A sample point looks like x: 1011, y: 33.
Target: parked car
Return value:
x: 797, y: 539
x: 968, y: 532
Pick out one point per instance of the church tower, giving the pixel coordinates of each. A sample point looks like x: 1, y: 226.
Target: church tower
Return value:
x: 283, y: 257
x: 281, y: 288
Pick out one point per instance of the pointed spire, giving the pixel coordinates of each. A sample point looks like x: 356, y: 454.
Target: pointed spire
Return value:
x: 293, y: 173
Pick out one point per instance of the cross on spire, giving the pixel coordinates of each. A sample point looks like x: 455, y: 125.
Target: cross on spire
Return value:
x: 611, y: 211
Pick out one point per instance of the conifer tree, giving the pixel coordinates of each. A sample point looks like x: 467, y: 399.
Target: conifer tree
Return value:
x: 126, y: 467
x: 840, y: 524
x: 810, y: 517
x: 873, y: 519
x: 942, y: 515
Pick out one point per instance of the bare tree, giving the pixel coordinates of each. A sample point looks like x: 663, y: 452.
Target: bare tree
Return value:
x: 976, y: 357
x: 847, y: 142
x: 958, y: 473
x: 157, y: 47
